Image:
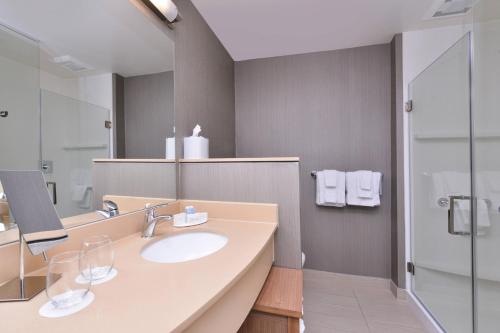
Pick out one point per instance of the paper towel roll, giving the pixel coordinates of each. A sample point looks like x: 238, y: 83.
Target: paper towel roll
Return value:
x: 195, y: 147
x: 170, y: 148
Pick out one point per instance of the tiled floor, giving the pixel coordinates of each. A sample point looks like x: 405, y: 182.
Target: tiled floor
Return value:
x: 337, y: 303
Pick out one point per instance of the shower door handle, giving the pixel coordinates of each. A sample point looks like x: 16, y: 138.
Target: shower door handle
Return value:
x: 451, y: 215
x: 54, y: 191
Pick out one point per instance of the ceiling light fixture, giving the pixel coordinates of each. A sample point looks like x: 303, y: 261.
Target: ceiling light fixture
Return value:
x: 166, y: 10
x: 449, y: 8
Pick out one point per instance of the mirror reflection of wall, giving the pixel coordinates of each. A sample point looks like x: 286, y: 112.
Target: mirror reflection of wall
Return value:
x: 148, y: 106
x: 100, y: 90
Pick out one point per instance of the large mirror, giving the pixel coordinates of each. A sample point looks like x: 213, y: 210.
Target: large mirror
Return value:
x: 82, y: 84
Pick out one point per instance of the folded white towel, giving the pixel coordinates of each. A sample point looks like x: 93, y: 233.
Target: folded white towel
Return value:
x: 78, y: 192
x: 462, y: 216
x: 365, y: 180
x: 330, y: 178
x: 355, y: 198
x: 330, y: 196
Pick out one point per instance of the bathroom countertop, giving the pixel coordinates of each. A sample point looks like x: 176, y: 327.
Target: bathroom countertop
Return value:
x: 153, y: 297
x: 132, y: 160
x: 201, y: 160
x: 241, y: 160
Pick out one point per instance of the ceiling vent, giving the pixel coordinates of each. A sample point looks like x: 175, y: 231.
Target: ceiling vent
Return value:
x: 71, y: 63
x: 449, y: 8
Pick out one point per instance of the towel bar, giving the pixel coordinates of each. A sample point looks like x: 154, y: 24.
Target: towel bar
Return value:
x: 313, y: 174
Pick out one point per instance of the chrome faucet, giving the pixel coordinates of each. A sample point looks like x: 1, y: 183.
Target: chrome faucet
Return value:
x: 111, y: 209
x: 152, y: 220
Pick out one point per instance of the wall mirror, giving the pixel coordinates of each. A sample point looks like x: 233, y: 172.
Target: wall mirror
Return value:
x: 83, y: 82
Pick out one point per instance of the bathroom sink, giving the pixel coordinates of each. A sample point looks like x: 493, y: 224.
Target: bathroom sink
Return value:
x: 184, y: 247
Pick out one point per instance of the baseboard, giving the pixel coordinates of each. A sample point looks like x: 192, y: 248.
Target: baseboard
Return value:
x: 399, y: 293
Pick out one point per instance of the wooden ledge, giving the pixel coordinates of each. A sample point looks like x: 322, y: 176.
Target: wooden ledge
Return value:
x: 282, y: 293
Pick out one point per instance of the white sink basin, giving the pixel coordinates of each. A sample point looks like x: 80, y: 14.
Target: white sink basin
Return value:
x: 184, y: 247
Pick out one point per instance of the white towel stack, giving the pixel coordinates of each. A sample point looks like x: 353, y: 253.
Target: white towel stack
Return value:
x: 330, y: 188
x: 363, y: 188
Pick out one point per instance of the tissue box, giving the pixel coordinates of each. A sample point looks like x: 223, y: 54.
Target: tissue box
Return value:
x: 195, y: 147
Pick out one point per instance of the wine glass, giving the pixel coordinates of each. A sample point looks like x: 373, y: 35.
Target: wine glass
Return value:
x: 62, y: 287
x: 98, y: 257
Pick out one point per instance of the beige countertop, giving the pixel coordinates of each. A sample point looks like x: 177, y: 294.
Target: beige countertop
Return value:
x: 151, y: 297
x: 241, y: 159
x: 203, y: 160
x: 132, y: 160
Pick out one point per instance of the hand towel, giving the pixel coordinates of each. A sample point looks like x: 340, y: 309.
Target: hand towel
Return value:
x: 330, y: 196
x: 489, y: 187
x: 330, y: 178
x: 462, y: 215
x: 365, y: 180
x: 33, y: 210
x: 327, y: 195
x: 81, y: 183
x: 353, y: 195
x: 78, y: 192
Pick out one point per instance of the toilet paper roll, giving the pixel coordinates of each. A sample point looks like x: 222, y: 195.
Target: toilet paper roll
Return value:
x: 195, y: 147
x: 170, y: 148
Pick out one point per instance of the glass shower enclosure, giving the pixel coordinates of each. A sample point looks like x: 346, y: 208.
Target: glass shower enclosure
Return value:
x: 73, y: 134
x: 440, y: 155
x: 454, y: 137
x: 45, y: 130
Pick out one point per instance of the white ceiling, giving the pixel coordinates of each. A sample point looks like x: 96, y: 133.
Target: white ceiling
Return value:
x: 109, y: 35
x: 252, y: 29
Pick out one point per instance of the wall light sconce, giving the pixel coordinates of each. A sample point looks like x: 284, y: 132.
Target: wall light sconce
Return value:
x: 166, y: 10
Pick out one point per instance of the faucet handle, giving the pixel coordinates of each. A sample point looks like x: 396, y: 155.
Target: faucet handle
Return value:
x: 151, y: 209
x: 110, y: 209
x: 110, y: 205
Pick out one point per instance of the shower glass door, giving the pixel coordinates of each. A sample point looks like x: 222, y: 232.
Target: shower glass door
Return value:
x: 440, y: 175
x: 486, y: 139
x: 73, y: 133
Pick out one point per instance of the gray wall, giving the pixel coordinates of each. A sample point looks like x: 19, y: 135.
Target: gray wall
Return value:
x: 204, y: 83
x: 155, y: 180
x: 398, y: 259
x: 149, y: 114
x: 333, y: 110
x: 265, y: 182
x: 118, y: 117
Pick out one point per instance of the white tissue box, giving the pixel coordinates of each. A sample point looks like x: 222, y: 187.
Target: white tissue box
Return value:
x: 195, y: 147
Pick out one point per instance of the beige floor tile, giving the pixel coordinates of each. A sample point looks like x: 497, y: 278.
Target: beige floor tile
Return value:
x: 376, y: 327
x: 343, y: 303
x: 328, y: 286
x: 368, y: 295
x: 330, y: 299
x: 334, y: 310
x: 349, y: 323
x: 320, y: 329
x: 391, y: 314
